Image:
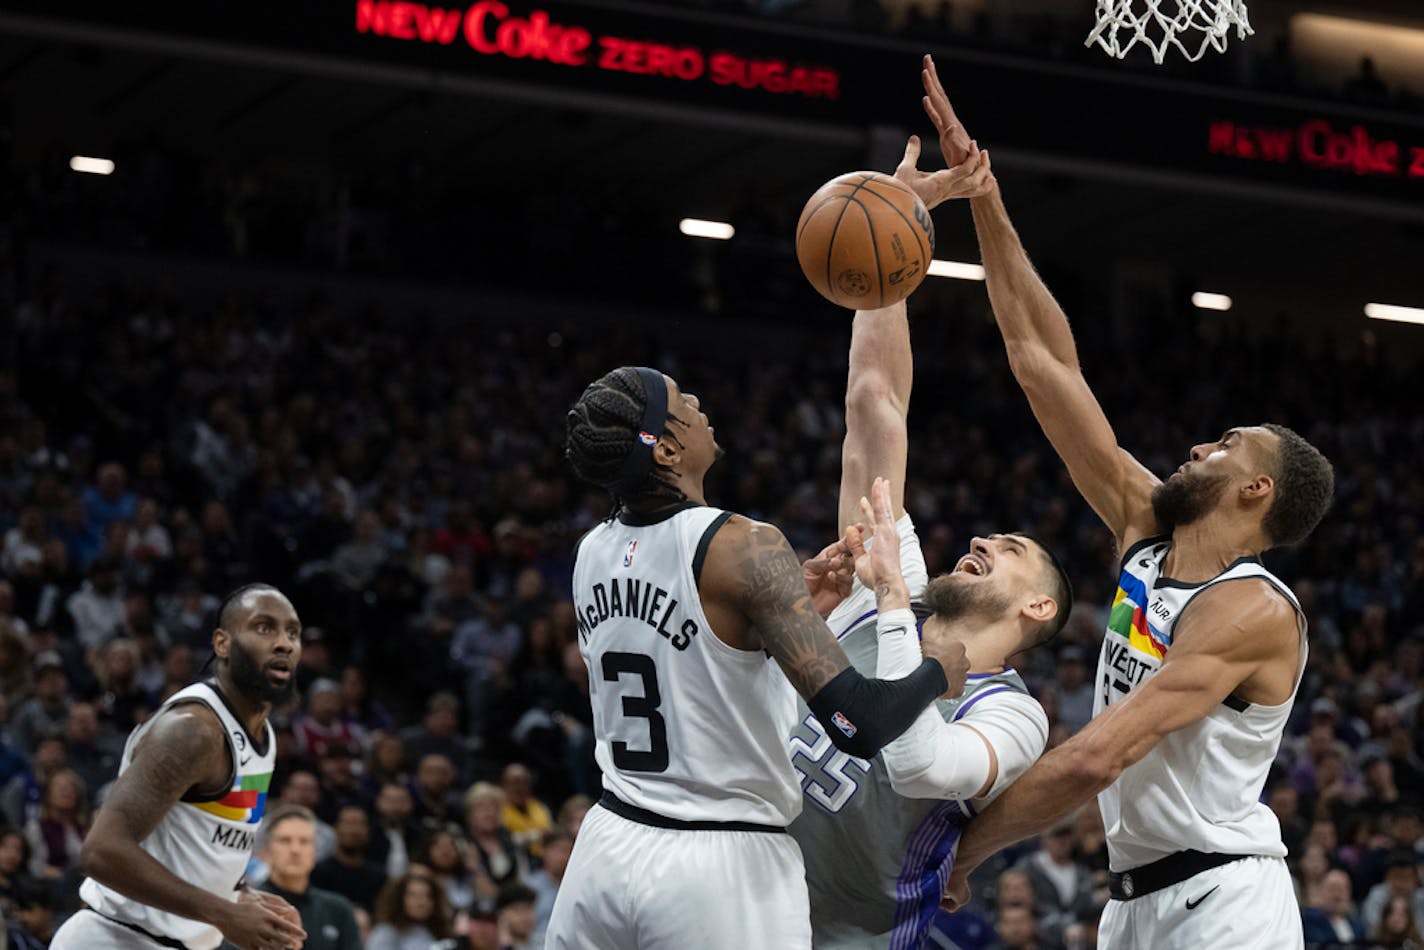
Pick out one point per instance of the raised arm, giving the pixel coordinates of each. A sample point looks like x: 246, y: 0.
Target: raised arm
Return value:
x: 185, y: 747
x: 754, y: 594
x: 878, y: 384
x: 1043, y: 356
x: 1226, y: 641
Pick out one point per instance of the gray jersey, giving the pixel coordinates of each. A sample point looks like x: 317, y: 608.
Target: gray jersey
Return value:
x: 876, y: 861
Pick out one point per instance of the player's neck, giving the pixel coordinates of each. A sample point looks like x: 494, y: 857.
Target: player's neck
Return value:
x: 986, y: 647
x: 1203, y: 549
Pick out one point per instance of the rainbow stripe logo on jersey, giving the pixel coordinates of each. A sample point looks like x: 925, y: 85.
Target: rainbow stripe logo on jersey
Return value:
x: 1128, y: 618
x: 245, y: 803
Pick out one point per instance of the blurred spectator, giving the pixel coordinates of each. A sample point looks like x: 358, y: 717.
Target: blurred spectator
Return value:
x: 33, y: 923
x: 107, y: 501
x: 56, y: 834
x: 1401, y: 880
x: 438, y: 735
x: 1314, y: 865
x: 97, y: 609
x: 357, y: 706
x: 14, y: 869
x: 434, y: 797
x: 483, y: 647
x: 123, y: 703
x: 289, y: 850
x: 1073, y: 689
x: 1062, y: 887
x: 1016, y: 928
x: 558, y: 845
x: 304, y: 789
x: 1398, y: 927
x: 95, y: 763
x: 515, y: 910
x: 339, y: 785
x: 15, y: 672
x: 1334, y: 920
x: 502, y: 860
x: 411, y: 914
x: 443, y: 852
x: 23, y: 797
x: 321, y: 726
x: 47, y: 712
x: 350, y: 871
x: 524, y: 816
x: 395, y: 829
x: 572, y: 812
x: 385, y: 763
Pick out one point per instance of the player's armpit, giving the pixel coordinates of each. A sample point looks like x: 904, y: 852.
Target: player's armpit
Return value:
x: 184, y: 747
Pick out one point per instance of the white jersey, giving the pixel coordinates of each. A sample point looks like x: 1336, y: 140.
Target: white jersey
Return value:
x: 205, y: 842
x: 686, y: 726
x: 1200, y: 788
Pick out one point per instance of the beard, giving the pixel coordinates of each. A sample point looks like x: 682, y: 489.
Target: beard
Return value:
x: 251, y: 679
x: 1186, y: 499
x: 952, y: 597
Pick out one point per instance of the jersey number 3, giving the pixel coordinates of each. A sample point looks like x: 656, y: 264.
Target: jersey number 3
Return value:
x: 655, y: 759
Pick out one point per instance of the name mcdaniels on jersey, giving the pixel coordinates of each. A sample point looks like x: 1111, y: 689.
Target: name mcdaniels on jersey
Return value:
x: 638, y: 600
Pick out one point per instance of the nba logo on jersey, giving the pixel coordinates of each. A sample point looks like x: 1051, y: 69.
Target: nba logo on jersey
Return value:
x: 628, y: 554
x: 843, y: 724
x: 647, y: 438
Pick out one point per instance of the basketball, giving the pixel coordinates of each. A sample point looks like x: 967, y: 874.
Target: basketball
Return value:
x: 865, y: 240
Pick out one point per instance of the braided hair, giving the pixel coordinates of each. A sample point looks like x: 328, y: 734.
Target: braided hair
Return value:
x: 602, y: 429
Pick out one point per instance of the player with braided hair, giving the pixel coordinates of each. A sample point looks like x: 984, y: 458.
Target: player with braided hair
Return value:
x: 692, y: 621
x: 699, y: 631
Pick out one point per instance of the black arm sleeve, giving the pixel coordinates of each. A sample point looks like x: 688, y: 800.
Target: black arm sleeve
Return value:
x: 862, y: 715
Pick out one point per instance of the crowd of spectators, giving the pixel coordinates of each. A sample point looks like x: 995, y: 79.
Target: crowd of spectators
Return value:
x: 403, y: 481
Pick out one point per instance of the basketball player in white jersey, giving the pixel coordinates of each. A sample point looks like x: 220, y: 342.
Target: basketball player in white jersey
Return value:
x: 879, y: 834
x: 1202, y: 655
x: 698, y: 631
x: 166, y: 856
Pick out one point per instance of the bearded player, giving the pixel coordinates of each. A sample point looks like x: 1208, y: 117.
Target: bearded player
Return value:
x: 1204, y: 648
x: 878, y: 832
x: 166, y: 856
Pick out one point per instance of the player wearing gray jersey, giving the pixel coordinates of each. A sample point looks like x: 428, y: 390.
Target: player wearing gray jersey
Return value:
x: 1204, y: 647
x: 879, y: 833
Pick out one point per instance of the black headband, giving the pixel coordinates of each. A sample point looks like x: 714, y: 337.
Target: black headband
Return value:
x: 639, y: 461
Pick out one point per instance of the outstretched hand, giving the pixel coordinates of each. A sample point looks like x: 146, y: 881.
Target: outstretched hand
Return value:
x: 954, y: 141
x: 878, y: 565
x: 969, y: 179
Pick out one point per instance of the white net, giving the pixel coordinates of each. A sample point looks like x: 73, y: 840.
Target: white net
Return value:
x: 1192, y: 26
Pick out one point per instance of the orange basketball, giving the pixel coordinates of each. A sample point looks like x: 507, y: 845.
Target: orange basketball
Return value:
x: 864, y: 240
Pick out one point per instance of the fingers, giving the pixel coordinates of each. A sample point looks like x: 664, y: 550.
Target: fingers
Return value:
x: 884, y: 512
x: 912, y: 153
x: 855, y: 540
x: 865, y: 509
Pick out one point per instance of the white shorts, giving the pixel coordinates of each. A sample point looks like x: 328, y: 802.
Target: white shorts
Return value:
x: 1248, y: 904
x: 87, y: 930
x: 631, y: 886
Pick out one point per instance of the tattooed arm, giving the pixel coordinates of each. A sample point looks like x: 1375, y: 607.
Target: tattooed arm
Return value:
x: 184, y: 748
x: 756, y: 598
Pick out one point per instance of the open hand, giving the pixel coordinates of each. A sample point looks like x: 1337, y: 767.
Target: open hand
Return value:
x: 829, y: 575
x: 878, y: 565
x: 954, y: 141
x: 969, y: 179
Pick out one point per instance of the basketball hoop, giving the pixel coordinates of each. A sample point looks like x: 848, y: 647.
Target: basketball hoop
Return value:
x: 1160, y: 24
